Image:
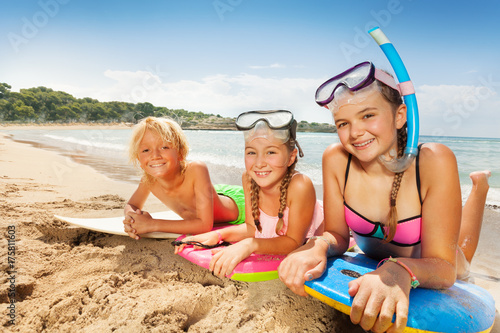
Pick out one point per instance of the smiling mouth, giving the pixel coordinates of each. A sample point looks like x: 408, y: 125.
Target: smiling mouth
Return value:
x: 262, y: 173
x: 363, y: 144
x: 156, y: 165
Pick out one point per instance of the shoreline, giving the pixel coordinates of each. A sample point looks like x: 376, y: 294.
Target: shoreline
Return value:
x: 49, y: 126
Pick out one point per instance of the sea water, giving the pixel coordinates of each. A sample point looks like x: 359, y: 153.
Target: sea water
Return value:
x: 106, y: 151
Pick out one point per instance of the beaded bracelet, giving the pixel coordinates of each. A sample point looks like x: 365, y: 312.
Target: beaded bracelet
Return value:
x: 414, y: 281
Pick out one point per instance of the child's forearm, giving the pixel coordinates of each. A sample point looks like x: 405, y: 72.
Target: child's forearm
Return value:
x: 130, y: 208
x: 330, y: 243
x: 276, y: 245
x: 194, y: 226
x: 236, y: 233
x: 433, y: 273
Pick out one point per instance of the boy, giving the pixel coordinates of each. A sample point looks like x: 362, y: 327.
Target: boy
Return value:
x: 159, y: 147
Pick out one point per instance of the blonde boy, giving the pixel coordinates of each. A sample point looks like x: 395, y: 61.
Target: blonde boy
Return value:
x: 159, y: 147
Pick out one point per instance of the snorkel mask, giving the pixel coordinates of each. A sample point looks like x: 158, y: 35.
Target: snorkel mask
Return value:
x: 357, y: 81
x: 277, y: 124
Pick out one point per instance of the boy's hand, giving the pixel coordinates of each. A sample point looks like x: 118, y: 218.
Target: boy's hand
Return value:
x: 127, y: 224
x: 141, y: 222
x: 138, y: 222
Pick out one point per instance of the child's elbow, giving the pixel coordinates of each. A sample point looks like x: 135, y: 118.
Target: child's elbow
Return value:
x: 449, y: 282
x: 206, y: 227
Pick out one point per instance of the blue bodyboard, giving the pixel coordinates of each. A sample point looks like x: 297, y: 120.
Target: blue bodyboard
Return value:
x: 464, y: 307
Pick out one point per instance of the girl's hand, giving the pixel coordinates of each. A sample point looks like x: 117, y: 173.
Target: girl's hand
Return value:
x: 303, y: 264
x: 207, y: 238
x: 225, y: 260
x: 140, y: 223
x: 379, y: 295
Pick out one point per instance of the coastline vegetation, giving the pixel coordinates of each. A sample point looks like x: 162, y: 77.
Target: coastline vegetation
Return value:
x: 43, y: 105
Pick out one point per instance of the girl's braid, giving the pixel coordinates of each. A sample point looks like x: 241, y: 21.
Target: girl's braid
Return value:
x: 393, y: 212
x: 254, y: 197
x: 283, y: 195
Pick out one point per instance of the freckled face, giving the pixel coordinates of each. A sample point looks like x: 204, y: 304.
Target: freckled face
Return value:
x: 156, y: 157
x: 267, y: 161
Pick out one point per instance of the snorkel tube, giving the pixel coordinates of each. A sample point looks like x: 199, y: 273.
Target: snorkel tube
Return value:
x: 408, y: 93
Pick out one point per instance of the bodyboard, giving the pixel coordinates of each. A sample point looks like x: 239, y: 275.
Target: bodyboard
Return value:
x: 464, y: 307
x: 114, y: 225
x: 257, y: 267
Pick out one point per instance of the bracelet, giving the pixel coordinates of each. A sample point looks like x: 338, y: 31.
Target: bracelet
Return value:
x: 220, y: 236
x: 414, y: 281
x: 323, y: 239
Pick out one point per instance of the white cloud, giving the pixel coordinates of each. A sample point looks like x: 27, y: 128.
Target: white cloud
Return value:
x: 449, y: 110
x: 453, y: 110
x: 275, y: 65
x: 217, y: 94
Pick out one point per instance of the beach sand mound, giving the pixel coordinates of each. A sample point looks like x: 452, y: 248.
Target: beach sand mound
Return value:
x: 72, y: 280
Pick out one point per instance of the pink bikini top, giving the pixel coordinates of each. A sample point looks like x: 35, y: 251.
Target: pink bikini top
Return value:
x: 408, y: 231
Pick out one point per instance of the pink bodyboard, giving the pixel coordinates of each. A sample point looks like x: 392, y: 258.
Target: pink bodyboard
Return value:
x: 257, y: 267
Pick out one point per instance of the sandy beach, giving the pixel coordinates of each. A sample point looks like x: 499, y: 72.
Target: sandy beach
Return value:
x: 70, y: 279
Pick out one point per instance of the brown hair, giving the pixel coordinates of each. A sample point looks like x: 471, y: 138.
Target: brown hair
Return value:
x: 168, y: 130
x: 254, y: 193
x: 394, y: 98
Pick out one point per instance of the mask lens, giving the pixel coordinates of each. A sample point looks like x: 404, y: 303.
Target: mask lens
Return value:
x: 280, y: 119
x: 354, y: 78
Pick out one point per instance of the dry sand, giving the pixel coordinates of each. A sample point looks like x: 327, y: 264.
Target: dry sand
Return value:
x: 73, y: 280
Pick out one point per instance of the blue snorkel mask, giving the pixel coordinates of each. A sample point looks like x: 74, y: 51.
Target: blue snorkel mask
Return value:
x: 360, y: 78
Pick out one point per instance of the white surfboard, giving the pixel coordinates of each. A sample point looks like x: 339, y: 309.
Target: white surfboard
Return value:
x: 114, y: 225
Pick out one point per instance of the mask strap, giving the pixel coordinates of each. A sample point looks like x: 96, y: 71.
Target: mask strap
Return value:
x: 406, y: 88
x: 383, y: 77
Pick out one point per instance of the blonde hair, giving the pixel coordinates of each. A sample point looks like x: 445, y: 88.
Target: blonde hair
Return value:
x: 254, y: 192
x: 394, y: 98
x: 168, y: 130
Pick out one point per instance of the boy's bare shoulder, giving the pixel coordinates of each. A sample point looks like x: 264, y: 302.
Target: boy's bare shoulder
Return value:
x: 196, y: 165
x: 196, y: 170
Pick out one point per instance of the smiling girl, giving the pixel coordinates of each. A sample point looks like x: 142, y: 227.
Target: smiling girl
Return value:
x: 414, y: 215
x: 159, y: 147
x: 281, y: 207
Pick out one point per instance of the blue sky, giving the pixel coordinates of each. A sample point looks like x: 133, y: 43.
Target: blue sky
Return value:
x: 229, y: 56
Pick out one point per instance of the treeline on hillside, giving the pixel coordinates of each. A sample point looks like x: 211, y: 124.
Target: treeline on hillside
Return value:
x: 41, y: 104
x: 44, y: 105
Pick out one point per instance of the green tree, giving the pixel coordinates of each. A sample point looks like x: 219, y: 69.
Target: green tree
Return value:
x: 4, y: 90
x: 62, y: 113
x: 26, y: 112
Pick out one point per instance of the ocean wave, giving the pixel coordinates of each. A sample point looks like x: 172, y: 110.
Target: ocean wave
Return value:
x: 88, y: 143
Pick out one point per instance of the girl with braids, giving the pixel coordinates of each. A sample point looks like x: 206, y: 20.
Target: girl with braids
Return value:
x: 281, y: 209
x: 414, y: 216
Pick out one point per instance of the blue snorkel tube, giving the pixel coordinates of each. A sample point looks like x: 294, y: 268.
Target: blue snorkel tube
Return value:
x: 408, y: 92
